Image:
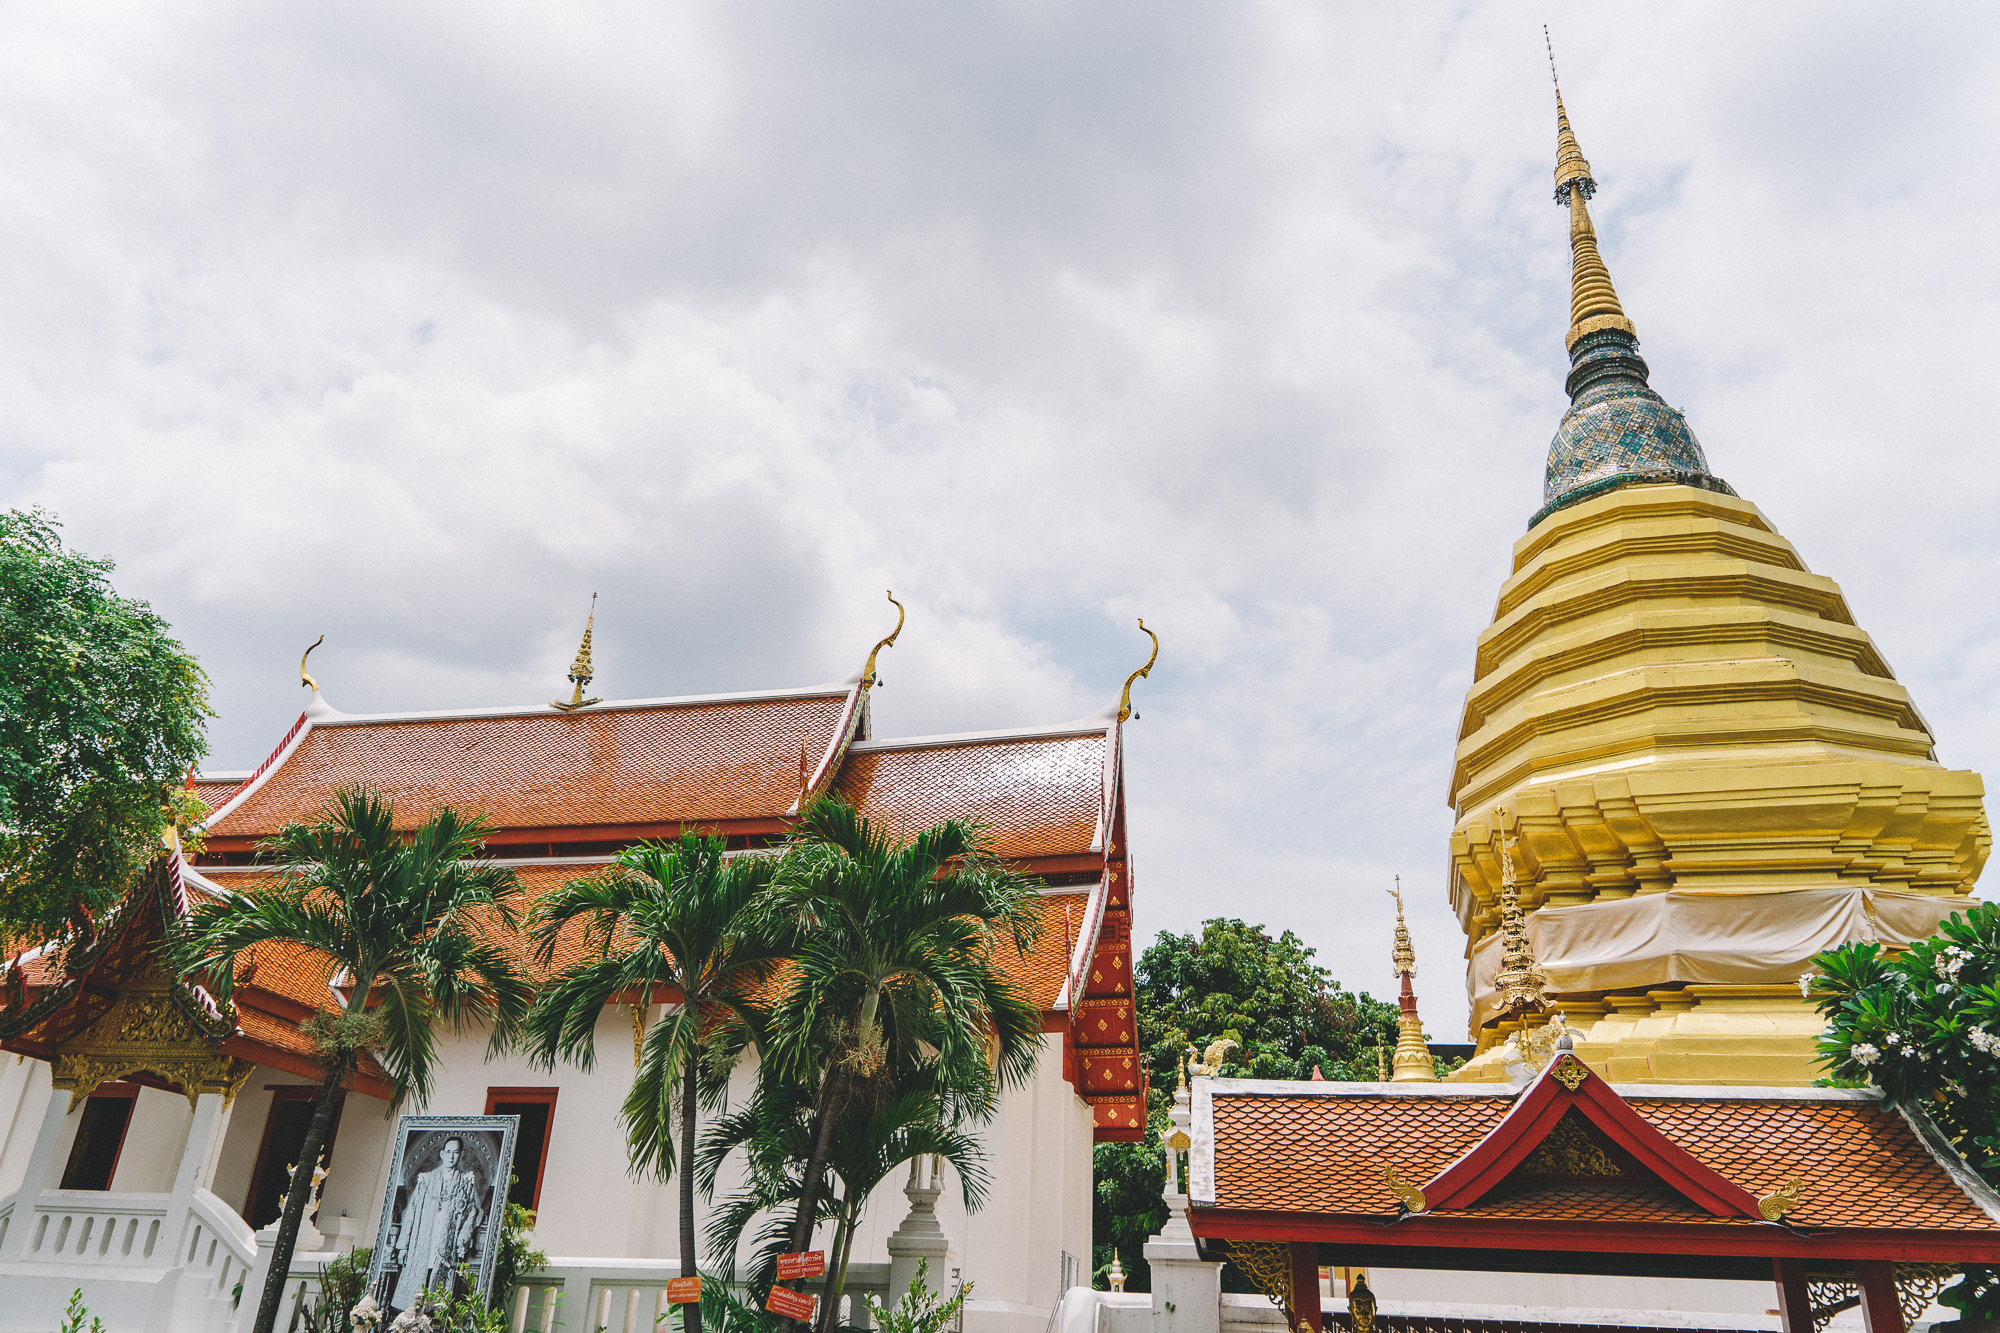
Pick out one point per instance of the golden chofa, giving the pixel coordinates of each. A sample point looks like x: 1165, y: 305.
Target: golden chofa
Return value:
x: 1706, y: 769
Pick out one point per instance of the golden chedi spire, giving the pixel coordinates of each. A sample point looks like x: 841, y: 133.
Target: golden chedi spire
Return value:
x: 1593, y: 301
x: 580, y: 671
x: 1680, y: 742
x: 1413, y: 1055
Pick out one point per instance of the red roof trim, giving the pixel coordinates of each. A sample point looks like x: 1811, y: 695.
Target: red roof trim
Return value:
x: 1507, y: 1145
x: 1916, y: 1245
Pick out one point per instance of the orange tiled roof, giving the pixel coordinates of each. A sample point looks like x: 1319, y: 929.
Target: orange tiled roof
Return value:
x: 301, y: 975
x: 211, y: 791
x: 660, y: 763
x: 1038, y: 795
x: 1323, y: 1153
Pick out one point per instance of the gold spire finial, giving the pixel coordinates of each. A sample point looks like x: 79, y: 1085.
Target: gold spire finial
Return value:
x: 1413, y: 1063
x: 1404, y: 955
x: 1523, y: 989
x: 304, y: 678
x: 1593, y: 301
x: 868, y: 671
x: 580, y: 670
x: 1125, y: 713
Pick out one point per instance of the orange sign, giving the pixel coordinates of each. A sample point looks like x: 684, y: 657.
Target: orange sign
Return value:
x: 805, y: 1263
x: 791, y: 1304
x: 683, y: 1290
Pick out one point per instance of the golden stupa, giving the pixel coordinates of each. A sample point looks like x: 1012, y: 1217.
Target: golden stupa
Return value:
x: 1707, y: 770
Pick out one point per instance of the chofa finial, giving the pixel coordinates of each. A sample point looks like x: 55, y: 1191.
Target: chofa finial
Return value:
x: 1125, y: 713
x: 580, y: 670
x: 868, y: 679
x: 305, y: 679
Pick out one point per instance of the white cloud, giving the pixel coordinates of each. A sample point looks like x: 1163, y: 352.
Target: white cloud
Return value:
x: 416, y: 325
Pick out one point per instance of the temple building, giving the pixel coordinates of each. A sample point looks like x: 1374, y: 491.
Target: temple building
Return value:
x: 1702, y: 768
x: 147, y: 1132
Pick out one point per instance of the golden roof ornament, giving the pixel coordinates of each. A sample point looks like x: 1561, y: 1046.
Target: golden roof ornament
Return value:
x: 305, y: 679
x: 580, y: 670
x: 1404, y: 954
x: 1125, y: 713
x: 1523, y: 989
x: 1593, y: 302
x: 868, y: 676
x: 1413, y: 1063
x: 1212, y: 1059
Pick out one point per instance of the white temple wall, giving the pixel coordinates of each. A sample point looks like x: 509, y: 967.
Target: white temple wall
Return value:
x: 24, y: 1095
x: 154, y: 1139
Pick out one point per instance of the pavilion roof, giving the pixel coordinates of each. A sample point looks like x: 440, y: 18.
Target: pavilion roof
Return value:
x: 650, y: 762
x: 1631, y: 1158
x: 1039, y: 793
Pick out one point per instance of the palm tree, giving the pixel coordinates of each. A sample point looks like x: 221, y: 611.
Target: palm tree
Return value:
x: 922, y: 1118
x: 415, y: 927
x: 897, y: 969
x: 683, y: 918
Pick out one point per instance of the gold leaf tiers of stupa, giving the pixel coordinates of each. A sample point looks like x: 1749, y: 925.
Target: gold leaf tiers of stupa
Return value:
x: 1710, y: 774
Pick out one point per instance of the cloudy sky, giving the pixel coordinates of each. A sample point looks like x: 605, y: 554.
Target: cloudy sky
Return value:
x: 413, y: 324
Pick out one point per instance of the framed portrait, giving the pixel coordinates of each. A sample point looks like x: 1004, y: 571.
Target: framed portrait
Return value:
x: 441, y: 1213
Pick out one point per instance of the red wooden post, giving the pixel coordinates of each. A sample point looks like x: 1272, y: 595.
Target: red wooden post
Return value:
x: 1305, y: 1287
x: 1794, y: 1302
x: 1881, y: 1312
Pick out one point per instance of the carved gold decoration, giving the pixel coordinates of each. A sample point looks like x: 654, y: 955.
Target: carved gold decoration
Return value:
x: 1570, y: 1151
x: 1828, y: 1294
x: 1178, y: 1140
x: 868, y: 670
x: 1523, y: 989
x: 1776, y: 1204
x: 146, y: 1032
x: 1917, y: 1285
x: 1211, y: 1059
x: 1268, y: 1265
x: 304, y: 679
x: 1407, y: 1194
x: 1125, y: 699
x: 580, y: 671
x: 1570, y: 1072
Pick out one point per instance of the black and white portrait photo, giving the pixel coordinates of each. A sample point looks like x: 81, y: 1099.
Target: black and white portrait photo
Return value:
x: 440, y: 1224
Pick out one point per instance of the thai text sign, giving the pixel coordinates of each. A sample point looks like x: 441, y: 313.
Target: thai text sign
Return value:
x: 683, y: 1290
x: 791, y: 1304
x: 806, y: 1263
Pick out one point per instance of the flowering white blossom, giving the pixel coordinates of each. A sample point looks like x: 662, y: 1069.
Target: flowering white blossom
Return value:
x: 1984, y: 1041
x: 1948, y: 961
x: 1805, y: 984
x: 1895, y: 1039
x: 1864, y: 1054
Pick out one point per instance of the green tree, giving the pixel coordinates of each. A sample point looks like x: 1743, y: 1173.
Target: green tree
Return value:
x: 1288, y: 1017
x: 897, y: 967
x: 101, y: 715
x: 416, y: 925
x: 922, y: 1118
x: 1923, y: 1025
x: 680, y: 918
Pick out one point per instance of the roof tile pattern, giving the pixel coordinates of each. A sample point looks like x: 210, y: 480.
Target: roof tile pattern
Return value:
x: 1038, y: 796
x: 1863, y: 1166
x: 656, y: 764
x: 301, y: 974
x: 1326, y: 1154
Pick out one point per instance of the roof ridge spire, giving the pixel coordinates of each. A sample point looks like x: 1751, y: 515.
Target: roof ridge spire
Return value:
x: 580, y: 671
x: 1413, y: 1063
x: 1593, y: 302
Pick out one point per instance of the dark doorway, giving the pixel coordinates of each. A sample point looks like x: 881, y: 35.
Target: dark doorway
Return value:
x: 537, y: 1109
x: 284, y: 1134
x: 93, y: 1158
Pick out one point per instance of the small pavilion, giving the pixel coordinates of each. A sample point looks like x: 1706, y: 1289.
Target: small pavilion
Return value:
x: 1830, y: 1194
